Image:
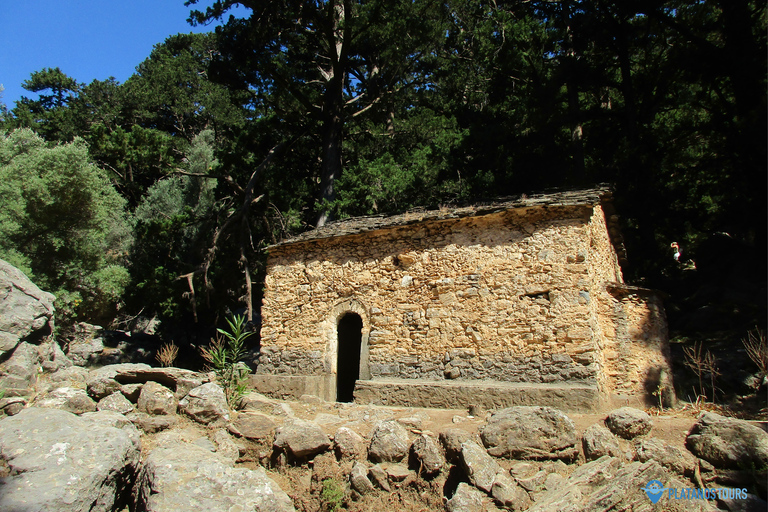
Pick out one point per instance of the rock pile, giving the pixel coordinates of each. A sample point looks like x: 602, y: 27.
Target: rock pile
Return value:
x: 83, y: 439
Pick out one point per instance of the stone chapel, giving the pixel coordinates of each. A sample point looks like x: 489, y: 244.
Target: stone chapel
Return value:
x: 520, y: 302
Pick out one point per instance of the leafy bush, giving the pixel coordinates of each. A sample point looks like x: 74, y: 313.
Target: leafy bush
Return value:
x: 224, y: 355
x: 63, y: 224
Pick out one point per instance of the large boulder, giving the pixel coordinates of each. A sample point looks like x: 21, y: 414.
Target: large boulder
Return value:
x: 86, y: 342
x: 73, y: 400
x: 178, y: 380
x: 467, y: 499
x: 101, y: 382
x: 18, y: 375
x: 628, y: 422
x: 115, y: 402
x: 598, y: 441
x: 451, y: 440
x: 674, y: 459
x: 348, y: 444
x: 301, y: 439
x: 52, y: 357
x: 253, y: 425
x: 185, y: 476
x: 525, y: 432
x: 26, y: 312
x: 157, y: 399
x: 206, y: 404
x: 389, y: 442
x: 59, y: 461
x: 480, y: 468
x: 426, y: 455
x: 728, y: 443
x: 609, y: 484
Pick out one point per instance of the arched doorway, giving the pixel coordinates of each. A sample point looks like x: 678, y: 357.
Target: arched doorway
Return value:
x: 350, y: 335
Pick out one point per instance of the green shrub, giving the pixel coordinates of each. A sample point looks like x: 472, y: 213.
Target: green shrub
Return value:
x: 224, y: 355
x: 63, y: 224
x: 332, y: 495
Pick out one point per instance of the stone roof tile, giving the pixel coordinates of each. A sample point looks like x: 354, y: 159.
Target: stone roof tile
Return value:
x: 357, y: 225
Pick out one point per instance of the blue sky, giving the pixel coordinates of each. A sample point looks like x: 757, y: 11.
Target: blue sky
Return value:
x: 87, y: 39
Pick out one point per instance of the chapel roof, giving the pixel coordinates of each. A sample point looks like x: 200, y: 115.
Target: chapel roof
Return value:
x: 358, y: 225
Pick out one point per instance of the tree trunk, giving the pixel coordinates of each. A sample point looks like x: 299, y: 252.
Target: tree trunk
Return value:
x: 333, y: 111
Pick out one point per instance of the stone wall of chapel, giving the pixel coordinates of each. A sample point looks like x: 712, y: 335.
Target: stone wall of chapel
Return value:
x: 507, y: 297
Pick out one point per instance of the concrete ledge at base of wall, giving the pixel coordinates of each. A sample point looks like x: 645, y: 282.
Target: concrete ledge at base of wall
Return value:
x: 291, y: 387
x: 436, y: 394
x: 490, y: 395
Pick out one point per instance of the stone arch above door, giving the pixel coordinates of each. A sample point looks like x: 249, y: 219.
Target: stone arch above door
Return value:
x: 331, y: 335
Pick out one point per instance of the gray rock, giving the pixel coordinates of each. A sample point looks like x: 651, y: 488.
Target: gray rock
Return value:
x: 301, y: 439
x: 86, y: 343
x: 348, y: 444
x: 427, y: 455
x: 72, y: 400
x: 480, y: 468
x: 18, y: 375
x: 452, y: 439
x: 26, y: 312
x: 115, y: 402
x: 672, y: 458
x: 253, y: 425
x: 101, y: 382
x: 151, y: 424
x: 257, y: 402
x: 225, y: 445
x: 466, y: 499
x: 132, y: 392
x: 178, y: 380
x: 358, y: 478
x: 598, y: 441
x: 187, y: 477
x: 379, y: 477
x: 206, y: 404
x: 156, y: 399
x: 398, y: 472
x: 534, y: 482
x: 69, y: 377
x: 609, y: 484
x: 69, y: 464
x: 728, y: 443
x: 206, y: 444
x: 389, y: 442
x: 12, y: 406
x: 751, y: 503
x: 524, y: 432
x: 628, y: 422
x: 508, y: 494
x: 52, y: 357
x: 116, y: 420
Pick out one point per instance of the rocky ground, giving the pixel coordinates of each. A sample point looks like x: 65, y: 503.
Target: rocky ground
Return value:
x: 133, y: 437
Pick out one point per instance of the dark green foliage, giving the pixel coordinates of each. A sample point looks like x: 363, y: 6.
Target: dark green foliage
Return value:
x: 63, y: 223
x: 381, y: 105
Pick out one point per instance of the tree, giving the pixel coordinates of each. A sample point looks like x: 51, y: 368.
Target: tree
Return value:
x: 173, y: 221
x: 63, y: 224
x: 48, y: 115
x: 320, y: 64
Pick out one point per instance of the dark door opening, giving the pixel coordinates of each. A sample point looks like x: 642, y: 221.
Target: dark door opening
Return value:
x: 350, y: 332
